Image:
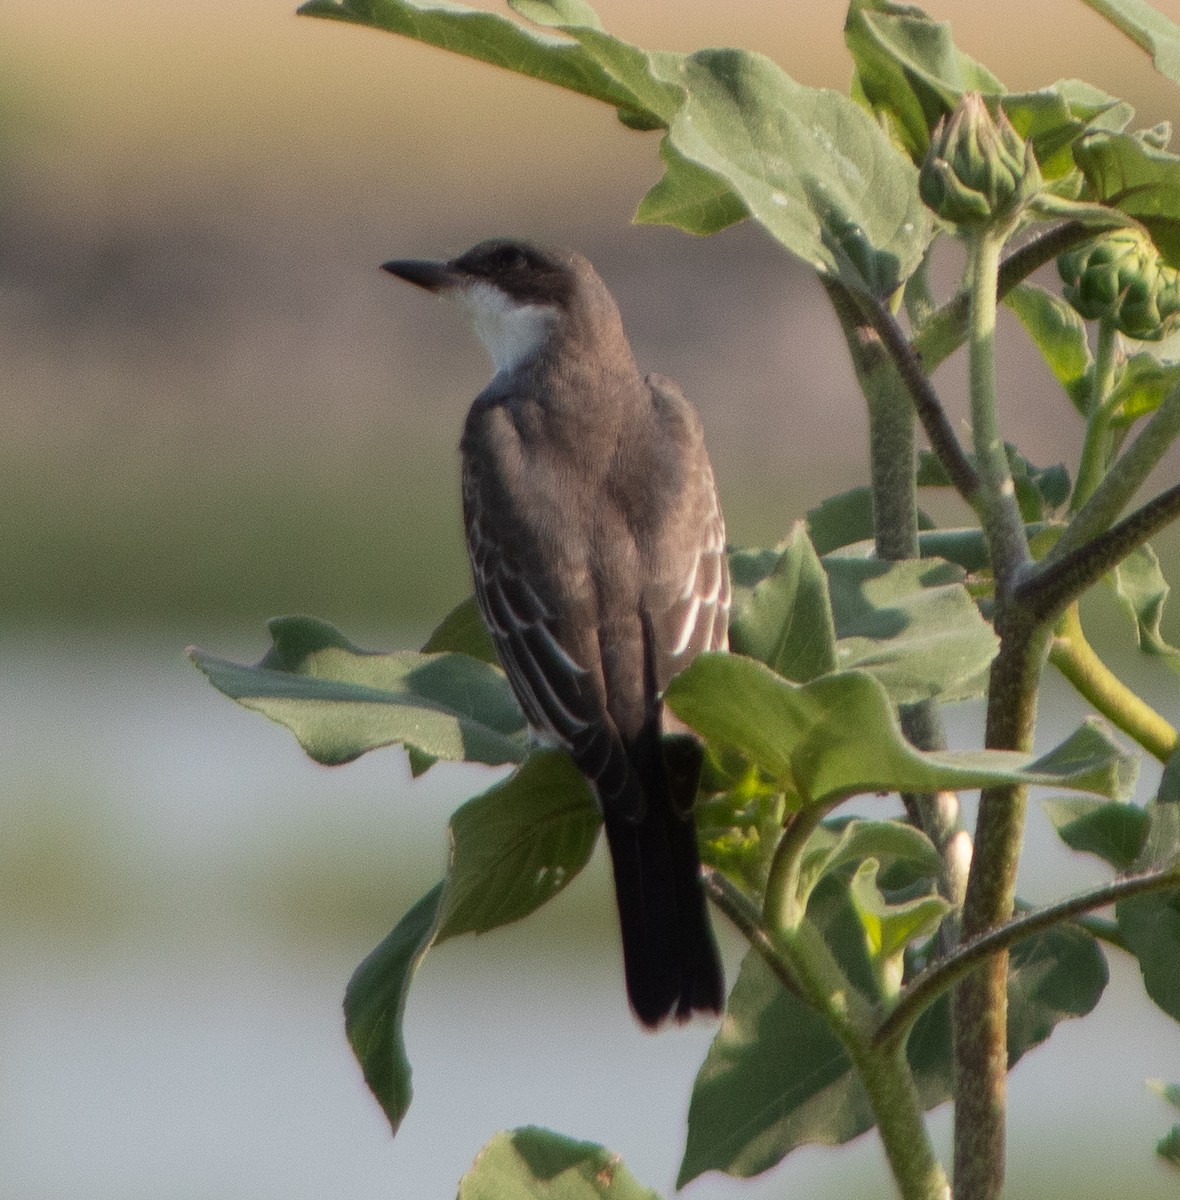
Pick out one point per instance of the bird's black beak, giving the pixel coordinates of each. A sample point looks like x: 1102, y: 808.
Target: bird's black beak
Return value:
x: 433, y: 276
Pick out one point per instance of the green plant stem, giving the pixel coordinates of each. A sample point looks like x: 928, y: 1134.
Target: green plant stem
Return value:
x: 746, y: 917
x: 897, y: 1108
x: 802, y: 963
x: 1124, y: 478
x: 1000, y: 513
x: 782, y: 910
x: 932, y: 415
x: 1072, y: 654
x: 980, y: 1008
x: 1096, y: 449
x: 922, y: 991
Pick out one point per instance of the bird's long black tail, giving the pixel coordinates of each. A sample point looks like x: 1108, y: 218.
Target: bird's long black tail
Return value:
x: 669, y: 955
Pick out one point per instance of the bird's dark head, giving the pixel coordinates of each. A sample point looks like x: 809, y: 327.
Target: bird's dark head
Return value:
x: 514, y: 293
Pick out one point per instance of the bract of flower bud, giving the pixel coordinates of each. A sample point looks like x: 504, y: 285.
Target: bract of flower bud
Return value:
x: 978, y: 169
x: 1121, y: 277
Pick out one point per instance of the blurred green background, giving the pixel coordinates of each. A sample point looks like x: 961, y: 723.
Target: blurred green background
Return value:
x: 215, y: 409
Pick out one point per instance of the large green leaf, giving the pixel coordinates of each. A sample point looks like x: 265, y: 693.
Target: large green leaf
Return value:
x: 1059, y: 334
x: 912, y: 625
x: 481, y: 35
x: 1142, y: 590
x: 777, y: 1078
x: 838, y: 736
x: 341, y: 701
x: 537, y: 1164
x: 809, y: 164
x: 463, y: 631
x: 909, y: 71
x: 1114, y: 832
x: 512, y: 849
x: 1150, y: 924
x: 1147, y: 28
x: 786, y: 622
x: 1139, y: 179
x: 1141, y: 386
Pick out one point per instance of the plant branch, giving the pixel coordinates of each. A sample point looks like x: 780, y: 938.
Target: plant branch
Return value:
x: 980, y: 1008
x: 744, y: 914
x: 928, y: 406
x: 1072, y: 654
x: 1096, y: 450
x: 1057, y: 582
x: 1124, y: 478
x: 951, y: 968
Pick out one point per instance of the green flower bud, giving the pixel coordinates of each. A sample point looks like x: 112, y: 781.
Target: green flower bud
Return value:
x: 1121, y: 277
x: 978, y: 170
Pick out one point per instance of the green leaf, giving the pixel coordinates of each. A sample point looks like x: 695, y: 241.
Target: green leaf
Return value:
x: 1161, y: 846
x: 777, y: 1078
x: 912, y: 625
x: 375, y: 1002
x: 517, y: 845
x: 1168, y: 1147
x: 1114, y: 832
x: 1039, y: 491
x: 537, y: 1164
x: 1127, y: 172
x: 846, y: 519
x: 690, y: 197
x: 808, y: 164
x: 1169, y: 1091
x: 485, y: 36
x: 833, y: 846
x: 512, y: 849
x: 889, y: 927
x: 463, y: 631
x: 1142, y: 384
x: 1149, y: 29
x: 909, y: 71
x: 1150, y: 924
x: 842, y: 520
x: 341, y: 701
x: 787, y: 621
x: 1059, y: 334
x: 1142, y: 590
x: 838, y: 736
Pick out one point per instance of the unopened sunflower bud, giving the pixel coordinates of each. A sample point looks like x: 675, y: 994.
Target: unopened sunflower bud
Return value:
x: 1121, y: 277
x: 978, y: 169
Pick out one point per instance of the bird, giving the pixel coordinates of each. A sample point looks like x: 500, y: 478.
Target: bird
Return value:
x: 597, y: 547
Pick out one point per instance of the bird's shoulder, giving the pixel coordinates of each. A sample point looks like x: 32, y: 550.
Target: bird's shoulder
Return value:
x: 673, y: 410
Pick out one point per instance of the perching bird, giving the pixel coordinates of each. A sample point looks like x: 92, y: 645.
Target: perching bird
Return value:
x: 598, y: 550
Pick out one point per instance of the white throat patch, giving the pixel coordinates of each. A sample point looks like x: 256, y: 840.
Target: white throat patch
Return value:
x: 510, y: 332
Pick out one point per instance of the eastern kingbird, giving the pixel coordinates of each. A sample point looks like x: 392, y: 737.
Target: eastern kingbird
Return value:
x: 598, y: 550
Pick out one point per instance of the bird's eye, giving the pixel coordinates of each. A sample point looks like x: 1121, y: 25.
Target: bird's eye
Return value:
x: 509, y: 258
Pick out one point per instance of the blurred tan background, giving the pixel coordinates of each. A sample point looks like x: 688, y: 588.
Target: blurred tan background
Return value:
x: 215, y: 409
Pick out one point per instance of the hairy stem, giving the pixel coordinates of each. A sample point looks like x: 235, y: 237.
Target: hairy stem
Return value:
x: 1000, y: 513
x: 895, y: 524
x: 1072, y: 654
x: 927, y: 405
x: 1124, y: 478
x: 980, y: 1008
x: 1096, y: 449
x: 1058, y: 581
